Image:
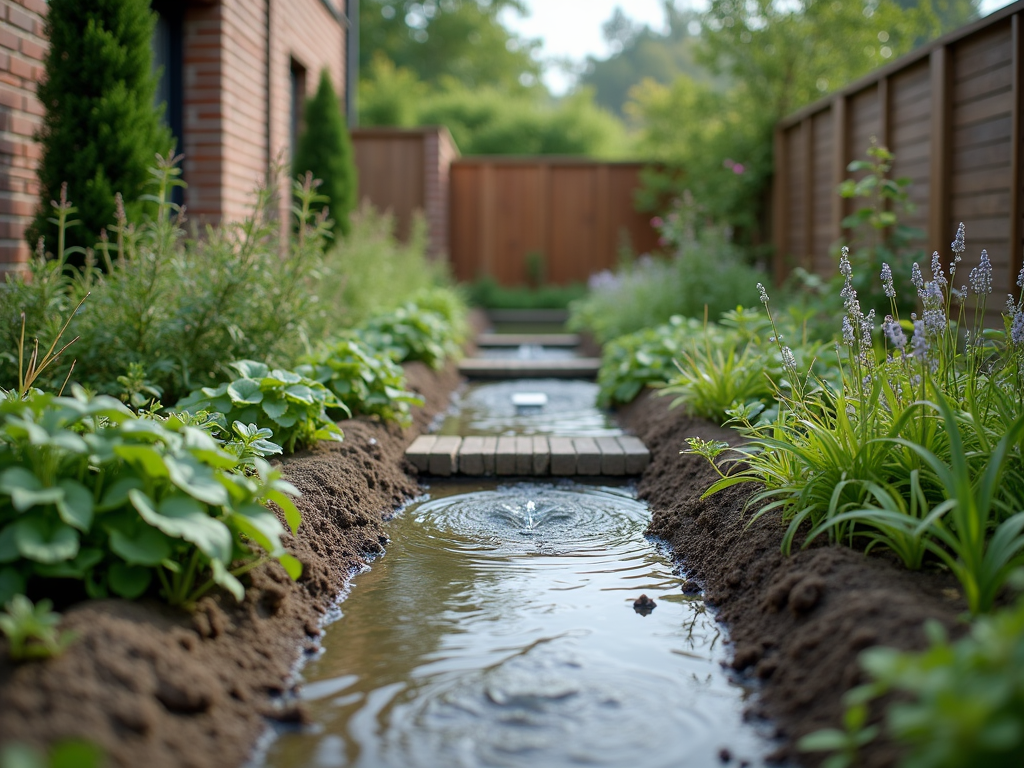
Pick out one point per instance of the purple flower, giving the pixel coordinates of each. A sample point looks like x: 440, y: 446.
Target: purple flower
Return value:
x: 981, y: 276
x: 894, y: 332
x: 915, y: 276
x: 763, y: 293
x: 937, y: 275
x: 958, y: 246
x: 1017, y: 329
x: 888, y: 287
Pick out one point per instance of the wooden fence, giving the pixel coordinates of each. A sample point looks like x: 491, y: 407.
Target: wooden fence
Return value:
x: 951, y: 114
x: 573, y: 214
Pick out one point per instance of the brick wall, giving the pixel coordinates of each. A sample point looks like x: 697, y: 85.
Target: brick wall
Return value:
x: 232, y: 131
x: 22, y: 48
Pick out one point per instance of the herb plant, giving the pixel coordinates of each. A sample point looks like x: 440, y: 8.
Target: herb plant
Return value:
x: 31, y: 630
x: 411, y: 333
x: 292, y: 406
x: 362, y: 382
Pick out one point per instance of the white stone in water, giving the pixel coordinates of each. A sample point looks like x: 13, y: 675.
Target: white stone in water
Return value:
x: 529, y: 399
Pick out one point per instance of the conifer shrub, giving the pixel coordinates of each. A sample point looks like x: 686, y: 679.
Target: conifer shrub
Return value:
x: 101, y: 129
x: 325, y: 150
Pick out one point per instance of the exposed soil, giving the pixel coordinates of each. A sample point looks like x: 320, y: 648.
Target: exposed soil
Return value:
x: 154, y: 686
x: 796, y: 623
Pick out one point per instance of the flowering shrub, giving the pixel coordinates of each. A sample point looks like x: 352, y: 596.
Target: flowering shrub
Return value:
x: 918, y: 449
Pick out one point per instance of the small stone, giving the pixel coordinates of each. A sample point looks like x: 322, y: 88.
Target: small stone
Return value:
x: 644, y: 605
x: 724, y: 755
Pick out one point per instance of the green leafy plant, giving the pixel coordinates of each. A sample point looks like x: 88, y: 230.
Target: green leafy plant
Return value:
x: 961, y: 703
x: 31, y: 630
x: 487, y: 293
x: 64, y: 754
x: 364, y: 383
x: 93, y: 493
x: 289, y: 404
x: 411, y: 333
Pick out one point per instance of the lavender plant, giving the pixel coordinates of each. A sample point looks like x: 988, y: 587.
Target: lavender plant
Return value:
x: 919, y: 447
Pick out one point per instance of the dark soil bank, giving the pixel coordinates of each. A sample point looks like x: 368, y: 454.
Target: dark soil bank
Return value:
x: 797, y: 623
x: 155, y: 687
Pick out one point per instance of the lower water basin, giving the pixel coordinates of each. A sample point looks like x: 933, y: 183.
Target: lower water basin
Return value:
x: 499, y: 630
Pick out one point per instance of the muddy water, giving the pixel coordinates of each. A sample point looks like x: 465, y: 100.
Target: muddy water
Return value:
x: 499, y: 630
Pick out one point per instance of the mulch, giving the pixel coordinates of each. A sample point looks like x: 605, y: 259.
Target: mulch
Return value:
x: 797, y: 624
x: 154, y: 686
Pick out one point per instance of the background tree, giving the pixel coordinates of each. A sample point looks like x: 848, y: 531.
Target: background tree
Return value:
x: 325, y: 150
x: 439, y: 40
x: 101, y: 130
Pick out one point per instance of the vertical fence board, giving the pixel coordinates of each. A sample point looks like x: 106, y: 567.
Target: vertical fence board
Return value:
x: 1016, y: 261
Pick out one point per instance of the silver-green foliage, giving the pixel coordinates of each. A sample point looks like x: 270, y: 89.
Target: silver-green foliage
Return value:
x: 91, y: 492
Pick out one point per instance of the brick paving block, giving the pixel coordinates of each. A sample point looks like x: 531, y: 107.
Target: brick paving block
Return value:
x: 490, y: 451
x: 505, y: 456
x: 471, y: 456
x: 613, y: 456
x: 524, y: 456
x: 419, y: 452
x: 541, y: 456
x: 637, y: 455
x: 563, y: 456
x: 588, y: 456
x: 444, y: 456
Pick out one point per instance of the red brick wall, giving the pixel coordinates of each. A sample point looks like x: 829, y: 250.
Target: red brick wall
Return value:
x: 22, y: 48
x: 225, y: 106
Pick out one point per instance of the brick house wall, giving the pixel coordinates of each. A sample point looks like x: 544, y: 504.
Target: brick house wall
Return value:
x: 22, y: 48
x: 236, y: 113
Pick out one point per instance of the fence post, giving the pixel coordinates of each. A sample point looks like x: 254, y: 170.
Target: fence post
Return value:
x: 839, y: 146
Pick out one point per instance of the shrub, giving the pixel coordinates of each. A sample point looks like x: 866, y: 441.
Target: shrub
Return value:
x: 179, y: 307
x: 363, y: 382
x: 292, y: 406
x: 101, y: 129
x: 486, y: 292
x: 92, y: 493
x: 412, y: 333
x: 705, y: 274
x: 325, y: 150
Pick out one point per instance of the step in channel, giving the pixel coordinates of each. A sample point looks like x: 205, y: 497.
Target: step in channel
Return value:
x: 571, y: 368
x: 528, y: 339
x: 445, y: 455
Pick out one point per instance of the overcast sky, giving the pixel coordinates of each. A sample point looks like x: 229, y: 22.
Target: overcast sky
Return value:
x: 572, y: 28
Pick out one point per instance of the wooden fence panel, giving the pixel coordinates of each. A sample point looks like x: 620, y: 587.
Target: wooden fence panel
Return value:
x: 571, y: 213
x: 951, y: 113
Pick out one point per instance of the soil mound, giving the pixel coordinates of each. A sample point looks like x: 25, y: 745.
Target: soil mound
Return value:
x: 156, y: 686
x: 796, y: 623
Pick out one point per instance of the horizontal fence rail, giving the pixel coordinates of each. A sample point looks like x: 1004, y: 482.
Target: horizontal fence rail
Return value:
x: 570, y: 216
x: 951, y: 115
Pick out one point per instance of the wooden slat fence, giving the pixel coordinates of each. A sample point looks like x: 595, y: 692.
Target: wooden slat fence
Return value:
x: 574, y: 213
x: 951, y: 113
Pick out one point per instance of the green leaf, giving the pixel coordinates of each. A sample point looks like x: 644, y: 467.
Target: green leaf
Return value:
x: 196, y: 479
x: 129, y: 581
x: 826, y: 740
x: 260, y: 525
x: 117, y: 494
x: 147, y: 458
x: 300, y: 393
x: 250, y: 369
x: 147, y: 546
x: 245, y: 392
x: 76, y: 754
x: 77, y: 568
x: 228, y: 581
x: 8, y: 546
x: 42, y: 542
x: 181, y: 517
x: 75, y: 507
x: 11, y: 583
x: 292, y: 565
x: 275, y: 406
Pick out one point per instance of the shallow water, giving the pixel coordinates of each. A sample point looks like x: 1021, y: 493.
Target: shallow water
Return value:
x: 527, y: 352
x: 499, y: 630
x: 487, y: 409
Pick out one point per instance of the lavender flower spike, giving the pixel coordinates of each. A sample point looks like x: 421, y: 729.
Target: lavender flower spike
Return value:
x: 1017, y: 329
x: 981, y: 276
x: 915, y: 276
x: 887, y: 286
x: 958, y: 246
x: 763, y: 293
x: 788, y: 361
x: 937, y: 275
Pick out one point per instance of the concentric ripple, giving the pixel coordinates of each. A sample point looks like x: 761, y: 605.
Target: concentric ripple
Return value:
x: 499, y: 631
x: 487, y: 409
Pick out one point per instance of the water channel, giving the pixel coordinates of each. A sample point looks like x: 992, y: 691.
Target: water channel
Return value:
x: 499, y: 630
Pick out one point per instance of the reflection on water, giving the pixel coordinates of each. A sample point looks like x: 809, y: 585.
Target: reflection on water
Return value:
x: 527, y: 352
x: 487, y: 409
x: 498, y: 630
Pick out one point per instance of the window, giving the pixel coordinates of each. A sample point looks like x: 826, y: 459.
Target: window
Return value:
x: 298, y: 99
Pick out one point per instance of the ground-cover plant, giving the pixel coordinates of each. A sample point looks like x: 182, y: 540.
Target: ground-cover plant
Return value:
x: 363, y: 381
x: 31, y: 630
x: 918, y: 449
x: 961, y: 703
x: 412, y: 333
x: 93, y: 493
x: 705, y: 272
x: 292, y: 406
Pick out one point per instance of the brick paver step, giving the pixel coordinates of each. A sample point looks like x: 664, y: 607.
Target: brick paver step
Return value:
x: 529, y: 456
